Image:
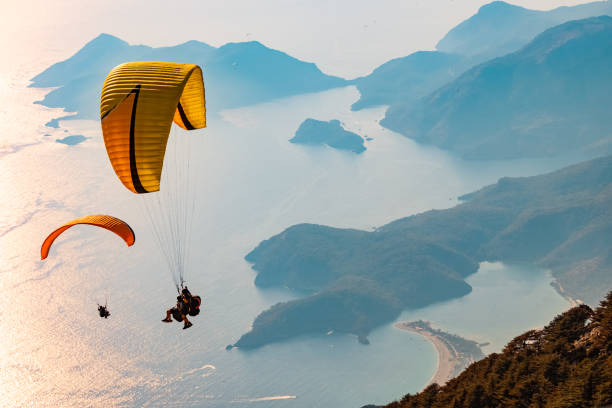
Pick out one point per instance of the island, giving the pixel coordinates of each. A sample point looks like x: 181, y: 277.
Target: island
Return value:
x: 72, y: 140
x: 454, y: 352
x: 332, y: 134
x: 352, y: 281
x: 54, y: 123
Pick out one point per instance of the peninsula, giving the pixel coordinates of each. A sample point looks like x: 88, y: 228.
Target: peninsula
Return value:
x: 454, y: 352
x: 354, y: 281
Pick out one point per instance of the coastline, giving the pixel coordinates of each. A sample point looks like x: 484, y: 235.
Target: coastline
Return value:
x: 450, y: 361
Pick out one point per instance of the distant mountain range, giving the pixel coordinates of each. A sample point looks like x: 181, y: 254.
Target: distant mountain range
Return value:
x: 497, y: 29
x: 545, y: 99
x: 568, y: 363
x: 355, y: 280
x: 549, y: 98
x: 500, y: 28
x: 506, y: 83
x: 236, y: 74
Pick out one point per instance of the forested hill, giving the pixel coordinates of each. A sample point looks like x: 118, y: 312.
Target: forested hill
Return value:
x: 566, y: 364
x: 235, y: 74
x: 357, y: 280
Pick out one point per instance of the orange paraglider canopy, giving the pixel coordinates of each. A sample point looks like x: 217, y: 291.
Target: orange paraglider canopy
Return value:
x: 104, y: 221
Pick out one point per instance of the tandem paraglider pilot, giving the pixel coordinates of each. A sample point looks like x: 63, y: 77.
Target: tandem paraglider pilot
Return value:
x: 186, y: 304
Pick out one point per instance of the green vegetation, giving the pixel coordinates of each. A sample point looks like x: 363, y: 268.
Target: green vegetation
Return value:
x: 355, y: 280
x: 566, y: 364
x: 353, y: 305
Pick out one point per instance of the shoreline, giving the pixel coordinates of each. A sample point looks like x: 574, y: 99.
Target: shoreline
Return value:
x: 450, y: 362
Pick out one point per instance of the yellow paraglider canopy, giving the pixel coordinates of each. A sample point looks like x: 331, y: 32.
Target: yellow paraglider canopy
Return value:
x: 108, y: 222
x: 139, y: 102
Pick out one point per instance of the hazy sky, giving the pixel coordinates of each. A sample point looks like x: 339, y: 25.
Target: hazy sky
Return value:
x: 344, y: 37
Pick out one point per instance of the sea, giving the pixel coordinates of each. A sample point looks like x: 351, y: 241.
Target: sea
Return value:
x: 250, y: 184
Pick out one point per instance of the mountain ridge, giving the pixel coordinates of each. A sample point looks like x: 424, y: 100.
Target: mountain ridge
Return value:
x: 553, y: 92
x: 497, y: 29
x: 235, y: 74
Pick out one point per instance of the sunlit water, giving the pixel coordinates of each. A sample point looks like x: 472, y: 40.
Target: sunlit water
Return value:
x: 253, y: 183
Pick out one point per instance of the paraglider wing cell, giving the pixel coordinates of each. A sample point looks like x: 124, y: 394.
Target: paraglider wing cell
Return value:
x: 103, y: 221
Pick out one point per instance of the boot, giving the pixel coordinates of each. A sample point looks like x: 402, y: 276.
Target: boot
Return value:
x: 187, y: 325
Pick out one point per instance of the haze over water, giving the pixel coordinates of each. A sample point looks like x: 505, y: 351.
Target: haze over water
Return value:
x: 55, y: 351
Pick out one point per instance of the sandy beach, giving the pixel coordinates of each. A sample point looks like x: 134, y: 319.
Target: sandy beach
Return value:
x: 449, y: 364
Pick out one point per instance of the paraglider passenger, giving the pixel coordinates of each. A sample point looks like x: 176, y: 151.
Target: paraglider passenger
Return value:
x: 180, y: 311
x: 103, y: 311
